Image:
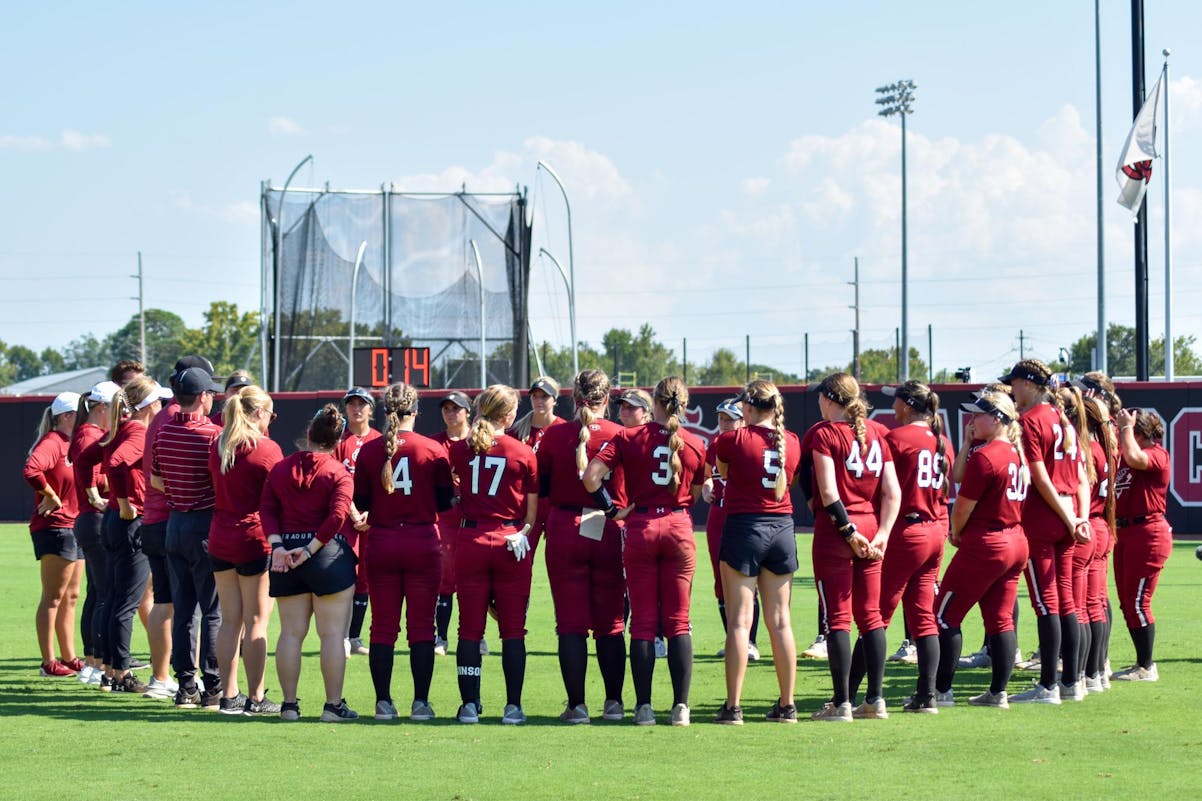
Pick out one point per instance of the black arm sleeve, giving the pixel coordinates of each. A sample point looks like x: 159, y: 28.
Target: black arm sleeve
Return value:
x: 604, y: 502
x: 805, y: 476
x: 363, y: 503
x: 839, y: 517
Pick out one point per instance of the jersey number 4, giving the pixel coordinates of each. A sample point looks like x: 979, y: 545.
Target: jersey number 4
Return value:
x: 873, y: 462
x: 400, y: 476
x: 479, y: 464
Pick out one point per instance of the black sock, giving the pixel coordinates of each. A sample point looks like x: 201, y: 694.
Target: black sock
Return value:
x: 421, y: 665
x: 513, y: 662
x: 906, y: 632
x: 928, y: 663
x: 722, y: 613
x: 1015, y: 615
x: 856, y: 673
x: 467, y: 661
x: 1003, y: 663
x: 442, y: 615
x: 611, y: 660
x: 642, y: 669
x: 1097, y: 645
x: 1143, y: 638
x: 358, y: 612
x: 680, y: 667
x: 755, y: 620
x: 1107, y: 634
x: 838, y: 654
x: 379, y: 660
x: 1070, y: 646
x: 874, y: 662
x: 950, y: 642
x: 1083, y: 647
x: 1049, y: 649
x: 573, y: 665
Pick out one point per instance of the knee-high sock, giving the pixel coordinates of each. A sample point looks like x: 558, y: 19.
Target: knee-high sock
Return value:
x: 358, y: 612
x: 1083, y: 645
x: 642, y: 669
x: 421, y: 665
x: 379, y: 661
x: 1049, y: 649
x: 442, y: 615
x: 722, y: 613
x: 680, y: 666
x: 1003, y: 646
x: 611, y: 660
x: 855, y: 673
x: 1144, y: 639
x: 1070, y: 646
x: 838, y: 654
x: 1097, y: 645
x: 573, y: 665
x: 928, y: 663
x: 755, y: 619
x: 874, y: 662
x: 950, y: 642
x: 467, y: 661
x: 513, y: 663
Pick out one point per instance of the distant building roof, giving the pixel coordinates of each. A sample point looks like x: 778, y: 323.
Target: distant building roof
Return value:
x: 70, y: 381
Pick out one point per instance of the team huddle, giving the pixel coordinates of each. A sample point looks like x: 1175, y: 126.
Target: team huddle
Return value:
x: 196, y: 521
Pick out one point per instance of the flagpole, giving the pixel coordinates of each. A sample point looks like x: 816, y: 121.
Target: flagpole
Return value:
x: 1100, y: 350
x: 1141, y: 224
x: 1168, y: 244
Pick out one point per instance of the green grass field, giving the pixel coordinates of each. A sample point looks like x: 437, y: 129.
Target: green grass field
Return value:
x: 63, y: 741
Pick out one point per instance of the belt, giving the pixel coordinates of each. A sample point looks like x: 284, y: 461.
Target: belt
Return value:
x: 308, y: 535
x: 465, y: 523
x: 660, y: 510
x: 573, y: 509
x: 914, y: 517
x: 1123, y: 522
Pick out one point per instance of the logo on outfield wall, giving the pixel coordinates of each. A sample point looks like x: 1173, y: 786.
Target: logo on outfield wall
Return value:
x: 1185, y: 451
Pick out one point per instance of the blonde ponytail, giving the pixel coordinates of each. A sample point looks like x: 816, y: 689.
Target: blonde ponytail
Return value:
x: 237, y: 428
x: 44, y: 426
x: 493, y: 406
x: 673, y: 396
x: 591, y: 392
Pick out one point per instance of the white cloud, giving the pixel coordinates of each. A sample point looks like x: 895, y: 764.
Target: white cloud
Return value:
x: 76, y: 140
x: 240, y: 212
x: 69, y: 139
x: 10, y: 142
x: 754, y: 186
x: 284, y: 126
x: 1185, y: 102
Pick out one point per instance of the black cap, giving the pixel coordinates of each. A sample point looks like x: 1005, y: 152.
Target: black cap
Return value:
x: 547, y: 385
x: 1027, y: 375
x: 237, y: 382
x: 984, y: 406
x: 196, y: 380
x: 457, y: 398
x: 906, y: 393
x: 360, y: 393
x: 190, y: 361
x: 634, y: 399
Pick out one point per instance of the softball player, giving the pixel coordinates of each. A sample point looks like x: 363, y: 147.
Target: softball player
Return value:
x: 1083, y: 551
x: 664, y: 467
x: 992, y: 550
x: 498, y: 490
x: 1103, y: 451
x: 402, y: 484
x: 544, y: 392
x: 584, y: 550
x: 358, y: 405
x: 852, y: 466
x: 454, y: 408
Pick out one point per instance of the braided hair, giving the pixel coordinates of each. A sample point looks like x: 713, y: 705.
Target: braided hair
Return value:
x: 400, y: 400
x: 1073, y: 404
x: 763, y: 394
x: 843, y: 390
x: 1098, y: 420
x: 672, y: 394
x: 591, y: 391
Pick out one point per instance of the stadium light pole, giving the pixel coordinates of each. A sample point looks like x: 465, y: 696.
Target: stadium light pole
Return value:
x: 898, y: 98
x: 350, y: 361
x: 480, y: 280
x: 279, y: 242
x: 571, y: 265
x: 571, y: 302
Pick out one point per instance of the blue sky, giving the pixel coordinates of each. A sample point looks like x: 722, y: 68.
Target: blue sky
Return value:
x: 725, y: 163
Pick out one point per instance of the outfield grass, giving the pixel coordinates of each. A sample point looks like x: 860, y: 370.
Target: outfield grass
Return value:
x: 63, y: 741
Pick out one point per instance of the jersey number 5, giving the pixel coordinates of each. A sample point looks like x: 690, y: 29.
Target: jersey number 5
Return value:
x: 771, y: 468
x: 493, y: 463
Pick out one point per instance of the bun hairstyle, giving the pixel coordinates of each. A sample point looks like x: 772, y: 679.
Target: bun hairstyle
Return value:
x: 125, y: 402
x: 1149, y: 425
x: 764, y: 395
x: 493, y: 407
x: 1105, y: 388
x: 325, y: 429
x: 1101, y: 430
x: 842, y: 389
x: 400, y: 400
x: 1073, y: 404
x: 673, y: 396
x: 238, y: 428
x: 590, y: 393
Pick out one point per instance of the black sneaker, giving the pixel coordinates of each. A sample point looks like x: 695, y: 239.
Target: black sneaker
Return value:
x: 105, y: 685
x: 233, y: 706
x: 338, y: 713
x: 922, y: 705
x: 211, y: 700
x: 262, y: 707
x: 137, y: 664
x: 128, y: 684
x: 187, y: 698
x: 781, y: 714
x: 729, y: 715
x: 290, y: 710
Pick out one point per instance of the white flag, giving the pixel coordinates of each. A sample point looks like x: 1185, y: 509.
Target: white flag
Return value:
x: 1135, y: 167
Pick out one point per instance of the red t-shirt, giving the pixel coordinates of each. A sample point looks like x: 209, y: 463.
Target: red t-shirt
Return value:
x: 753, y: 463
x: 920, y: 470
x: 556, y: 454
x: 123, y: 464
x: 1045, y: 440
x: 493, y: 485
x: 1097, y: 496
x: 239, y: 492
x: 48, y: 466
x: 347, y: 449
x: 180, y: 455
x: 420, y: 467
x: 857, y: 471
x: 87, y: 472
x: 645, y: 455
x: 1143, y: 492
x: 156, y: 510
x: 993, y: 478
x: 307, y: 491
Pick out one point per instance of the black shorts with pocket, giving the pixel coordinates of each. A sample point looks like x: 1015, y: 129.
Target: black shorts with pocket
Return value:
x: 58, y: 542
x: 252, y: 568
x: 330, y: 570
x: 754, y: 542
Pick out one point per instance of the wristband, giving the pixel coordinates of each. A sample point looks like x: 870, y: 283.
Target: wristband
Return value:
x: 838, y: 514
x: 604, y: 502
x: 276, y: 545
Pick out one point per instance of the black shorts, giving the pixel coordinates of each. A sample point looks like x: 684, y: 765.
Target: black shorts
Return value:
x: 330, y: 571
x: 154, y: 545
x: 251, y: 568
x: 58, y: 542
x: 754, y: 542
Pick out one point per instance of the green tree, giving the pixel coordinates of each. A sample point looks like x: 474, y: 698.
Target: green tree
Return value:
x: 52, y: 361
x: 226, y: 339
x: 1120, y: 353
x: 879, y: 366
x: 164, y: 342
x: 85, y: 351
x: 723, y: 369
x: 641, y: 354
x: 7, y: 371
x: 25, y: 363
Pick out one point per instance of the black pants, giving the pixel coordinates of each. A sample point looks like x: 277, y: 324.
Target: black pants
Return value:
x: 193, y: 591
x: 88, y: 534
x: 128, y: 572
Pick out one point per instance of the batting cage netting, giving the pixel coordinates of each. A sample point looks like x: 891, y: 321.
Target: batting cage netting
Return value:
x: 416, y: 285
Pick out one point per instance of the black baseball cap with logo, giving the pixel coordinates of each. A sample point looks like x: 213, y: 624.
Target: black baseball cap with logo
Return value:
x: 458, y: 398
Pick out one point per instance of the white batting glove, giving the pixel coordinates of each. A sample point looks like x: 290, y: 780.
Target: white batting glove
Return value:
x: 519, y: 543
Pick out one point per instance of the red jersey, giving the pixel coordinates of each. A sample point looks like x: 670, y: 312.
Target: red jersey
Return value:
x: 347, y: 449
x: 920, y: 470
x: 557, y: 464
x: 645, y: 455
x: 1045, y: 440
x: 536, y: 434
x: 306, y: 492
x: 1143, y: 492
x: 48, y: 466
x: 1097, y: 495
x: 719, y: 483
x: 156, y: 510
x: 180, y: 456
x: 857, y: 471
x: 123, y: 464
x: 493, y: 485
x: 239, y: 492
x: 420, y: 467
x: 88, y: 473
x: 994, y: 479
x: 753, y: 463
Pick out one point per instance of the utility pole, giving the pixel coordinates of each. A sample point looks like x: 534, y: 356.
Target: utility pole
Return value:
x: 141, y: 312
x: 1022, y: 350
x: 855, y: 334
x: 684, y: 360
x: 747, y: 351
